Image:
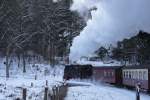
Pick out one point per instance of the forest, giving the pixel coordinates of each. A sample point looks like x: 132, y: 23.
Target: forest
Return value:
x: 37, y: 28
x: 134, y: 50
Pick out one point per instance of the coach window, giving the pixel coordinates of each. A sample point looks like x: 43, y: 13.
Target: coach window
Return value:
x: 145, y: 75
x: 126, y: 74
x: 105, y: 74
x: 129, y: 74
x: 136, y: 75
x: 132, y: 74
x: 108, y: 74
x: 140, y: 75
x: 112, y: 74
x: 123, y: 74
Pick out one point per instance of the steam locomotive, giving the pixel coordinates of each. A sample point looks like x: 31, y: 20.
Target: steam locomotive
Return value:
x: 118, y: 75
x: 78, y: 71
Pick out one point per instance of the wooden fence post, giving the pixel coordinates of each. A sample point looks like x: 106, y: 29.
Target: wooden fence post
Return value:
x: 53, y: 90
x: 35, y: 77
x: 60, y: 89
x: 46, y: 93
x: 50, y: 96
x: 24, y: 93
x: 46, y: 82
x: 31, y: 84
x: 57, y: 92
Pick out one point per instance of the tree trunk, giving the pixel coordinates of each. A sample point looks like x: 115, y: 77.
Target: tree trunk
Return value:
x: 24, y: 63
x: 52, y: 54
x: 18, y: 60
x: 7, y: 62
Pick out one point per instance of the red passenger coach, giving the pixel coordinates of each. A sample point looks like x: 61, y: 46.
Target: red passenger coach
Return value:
x: 133, y: 75
x: 108, y: 74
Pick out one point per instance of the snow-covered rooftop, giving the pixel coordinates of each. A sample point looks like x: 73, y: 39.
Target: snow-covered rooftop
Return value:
x: 99, y: 63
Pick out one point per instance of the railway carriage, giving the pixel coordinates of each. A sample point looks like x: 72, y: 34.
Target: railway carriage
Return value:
x: 133, y: 75
x: 109, y: 74
x: 119, y: 75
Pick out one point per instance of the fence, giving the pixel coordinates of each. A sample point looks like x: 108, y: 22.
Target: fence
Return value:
x: 57, y: 92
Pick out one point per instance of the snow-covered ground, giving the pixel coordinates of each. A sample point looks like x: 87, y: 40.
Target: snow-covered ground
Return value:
x: 101, y: 92
x: 11, y: 88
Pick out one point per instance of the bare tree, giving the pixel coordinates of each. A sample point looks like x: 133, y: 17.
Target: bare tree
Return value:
x: 45, y: 27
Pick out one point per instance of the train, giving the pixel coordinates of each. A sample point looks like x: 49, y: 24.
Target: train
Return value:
x: 78, y: 71
x: 128, y: 76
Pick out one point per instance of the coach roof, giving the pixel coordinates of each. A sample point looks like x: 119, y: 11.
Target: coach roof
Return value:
x: 111, y: 67
x: 137, y: 67
x: 78, y: 65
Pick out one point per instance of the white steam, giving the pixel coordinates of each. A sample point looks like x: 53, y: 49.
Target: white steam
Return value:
x: 114, y: 20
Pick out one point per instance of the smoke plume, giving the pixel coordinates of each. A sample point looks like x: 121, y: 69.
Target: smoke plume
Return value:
x: 113, y: 20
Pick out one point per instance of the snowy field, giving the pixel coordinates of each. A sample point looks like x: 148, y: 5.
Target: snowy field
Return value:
x: 11, y: 89
x: 101, y: 92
